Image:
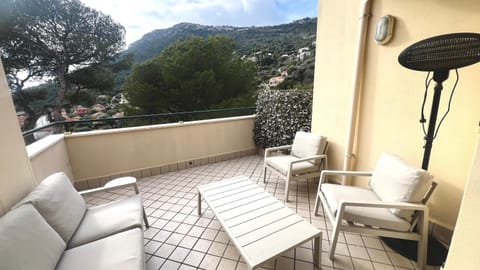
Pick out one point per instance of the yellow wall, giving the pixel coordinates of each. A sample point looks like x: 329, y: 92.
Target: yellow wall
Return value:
x: 462, y: 255
x: 104, y: 153
x: 392, y: 95
x: 16, y: 177
x: 49, y: 155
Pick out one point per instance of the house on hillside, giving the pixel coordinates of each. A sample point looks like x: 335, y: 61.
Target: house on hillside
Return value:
x: 303, y: 52
x: 80, y: 110
x: 274, y: 81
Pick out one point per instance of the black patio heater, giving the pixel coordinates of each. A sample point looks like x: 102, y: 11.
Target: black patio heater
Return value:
x: 439, y: 55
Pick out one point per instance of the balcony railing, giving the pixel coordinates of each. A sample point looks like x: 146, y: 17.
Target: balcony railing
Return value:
x: 135, y: 120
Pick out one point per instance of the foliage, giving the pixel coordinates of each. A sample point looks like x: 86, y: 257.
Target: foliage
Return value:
x: 48, y: 37
x: 192, y: 74
x: 92, y: 77
x: 280, y: 114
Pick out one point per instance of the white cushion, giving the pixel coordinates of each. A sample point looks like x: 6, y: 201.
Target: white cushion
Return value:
x: 380, y: 217
x: 394, y: 180
x: 59, y: 203
x: 282, y: 162
x: 27, y: 241
x: 107, y: 219
x: 121, y: 251
x: 308, y: 144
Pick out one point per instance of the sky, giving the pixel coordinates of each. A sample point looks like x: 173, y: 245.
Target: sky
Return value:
x: 142, y: 16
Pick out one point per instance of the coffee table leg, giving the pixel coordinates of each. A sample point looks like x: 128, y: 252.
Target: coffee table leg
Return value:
x: 317, y: 250
x: 199, y: 207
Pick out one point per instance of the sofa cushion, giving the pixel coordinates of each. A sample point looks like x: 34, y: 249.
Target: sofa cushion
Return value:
x: 107, y: 219
x: 308, y: 144
x: 394, y: 180
x: 27, y: 241
x: 122, y: 251
x: 382, y: 217
x: 59, y: 203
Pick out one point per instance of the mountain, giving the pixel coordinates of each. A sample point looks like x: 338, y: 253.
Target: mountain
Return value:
x: 277, y: 39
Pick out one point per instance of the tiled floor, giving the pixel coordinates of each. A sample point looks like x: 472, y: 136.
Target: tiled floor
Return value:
x: 179, y: 239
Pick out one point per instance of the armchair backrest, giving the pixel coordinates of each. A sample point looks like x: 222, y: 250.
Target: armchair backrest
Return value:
x: 308, y: 144
x: 394, y: 180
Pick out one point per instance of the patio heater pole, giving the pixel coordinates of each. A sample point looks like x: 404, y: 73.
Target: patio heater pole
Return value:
x: 439, y: 54
x: 439, y: 77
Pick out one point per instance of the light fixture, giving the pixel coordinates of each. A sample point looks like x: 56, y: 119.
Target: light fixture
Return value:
x: 384, y: 29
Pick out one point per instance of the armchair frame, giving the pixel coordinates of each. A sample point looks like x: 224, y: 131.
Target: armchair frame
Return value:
x: 321, y: 160
x: 419, y: 220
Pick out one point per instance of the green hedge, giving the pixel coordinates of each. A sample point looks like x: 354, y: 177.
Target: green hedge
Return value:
x: 280, y: 114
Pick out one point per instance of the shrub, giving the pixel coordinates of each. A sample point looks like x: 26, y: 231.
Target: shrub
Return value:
x: 280, y: 114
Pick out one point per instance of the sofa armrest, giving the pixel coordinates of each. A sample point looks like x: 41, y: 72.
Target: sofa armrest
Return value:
x: 117, y: 183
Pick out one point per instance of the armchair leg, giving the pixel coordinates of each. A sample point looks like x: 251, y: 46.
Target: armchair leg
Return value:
x: 264, y: 174
x: 336, y: 231
x: 315, y: 210
x: 422, y: 243
x: 286, y: 190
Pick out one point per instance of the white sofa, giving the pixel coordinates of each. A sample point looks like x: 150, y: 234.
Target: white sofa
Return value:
x: 52, y: 228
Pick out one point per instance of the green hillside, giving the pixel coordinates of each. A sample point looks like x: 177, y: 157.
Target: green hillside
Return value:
x: 278, y: 39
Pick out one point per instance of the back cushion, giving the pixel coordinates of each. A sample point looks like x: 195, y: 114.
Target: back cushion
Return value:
x: 307, y: 144
x: 394, y: 180
x: 27, y: 241
x: 59, y: 203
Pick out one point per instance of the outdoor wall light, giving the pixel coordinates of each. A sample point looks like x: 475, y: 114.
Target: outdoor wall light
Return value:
x: 384, y: 29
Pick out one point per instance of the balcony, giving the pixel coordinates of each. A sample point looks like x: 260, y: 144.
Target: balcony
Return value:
x: 169, y: 161
x: 387, y: 120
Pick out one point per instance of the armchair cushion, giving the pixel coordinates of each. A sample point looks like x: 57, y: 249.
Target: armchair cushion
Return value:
x: 121, y: 251
x: 281, y: 164
x: 393, y: 180
x: 380, y: 217
x: 59, y: 203
x: 27, y: 241
x: 108, y: 219
x: 308, y: 144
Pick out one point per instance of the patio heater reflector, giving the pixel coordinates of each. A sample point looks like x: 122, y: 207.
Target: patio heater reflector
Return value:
x: 442, y: 53
x: 439, y: 55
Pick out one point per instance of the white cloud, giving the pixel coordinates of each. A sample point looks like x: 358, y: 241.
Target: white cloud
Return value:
x: 142, y: 16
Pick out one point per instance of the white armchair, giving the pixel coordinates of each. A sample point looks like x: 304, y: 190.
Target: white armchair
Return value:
x: 393, y: 206
x: 306, y: 158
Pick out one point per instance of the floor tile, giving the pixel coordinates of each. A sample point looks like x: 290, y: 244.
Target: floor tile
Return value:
x: 180, y: 239
x: 194, y: 258
x: 210, y: 262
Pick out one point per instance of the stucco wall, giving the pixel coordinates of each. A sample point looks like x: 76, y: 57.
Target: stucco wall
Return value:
x: 391, y: 94
x: 49, y: 155
x: 105, y: 153
x: 16, y: 177
x: 462, y: 254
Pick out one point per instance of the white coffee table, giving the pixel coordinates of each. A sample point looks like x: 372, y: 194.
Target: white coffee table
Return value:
x: 260, y: 226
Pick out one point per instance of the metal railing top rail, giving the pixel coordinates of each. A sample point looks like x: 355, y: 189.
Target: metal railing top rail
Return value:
x: 67, y: 124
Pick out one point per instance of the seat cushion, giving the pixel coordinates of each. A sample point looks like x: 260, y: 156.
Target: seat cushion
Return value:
x: 281, y: 164
x: 27, y: 241
x: 107, y: 219
x: 394, y: 180
x: 122, y: 251
x: 380, y: 217
x: 308, y: 144
x: 59, y: 203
